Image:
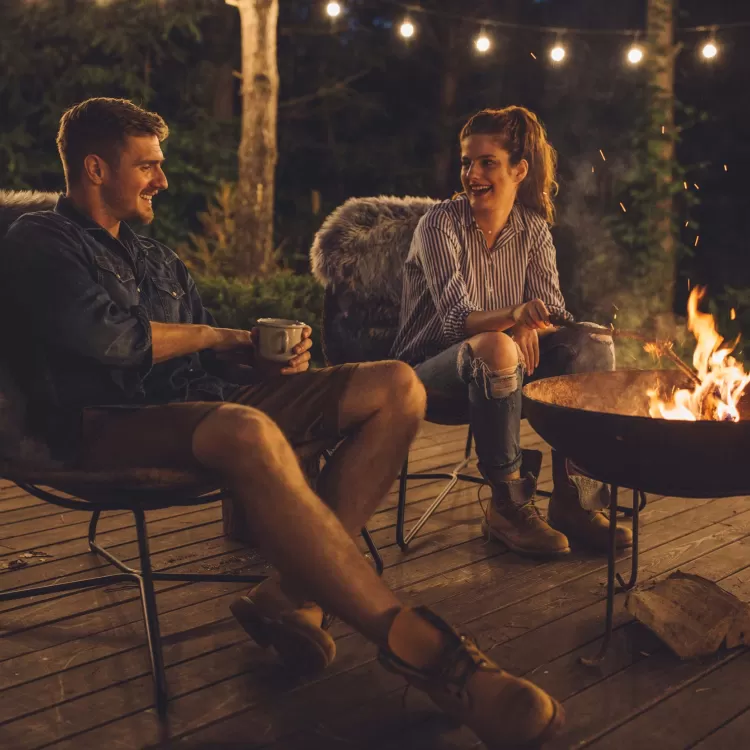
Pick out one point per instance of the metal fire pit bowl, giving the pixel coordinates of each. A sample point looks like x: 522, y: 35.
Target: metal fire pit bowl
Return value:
x: 600, y: 421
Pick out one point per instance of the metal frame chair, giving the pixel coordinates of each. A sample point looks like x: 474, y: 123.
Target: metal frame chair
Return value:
x: 136, y: 491
x: 453, y: 476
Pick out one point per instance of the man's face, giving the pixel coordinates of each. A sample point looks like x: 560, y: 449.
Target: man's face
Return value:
x: 131, y: 185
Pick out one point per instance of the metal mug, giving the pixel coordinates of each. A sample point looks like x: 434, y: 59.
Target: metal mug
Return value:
x: 278, y: 337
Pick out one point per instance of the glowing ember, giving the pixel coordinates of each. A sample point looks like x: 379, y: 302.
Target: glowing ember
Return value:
x: 721, y: 378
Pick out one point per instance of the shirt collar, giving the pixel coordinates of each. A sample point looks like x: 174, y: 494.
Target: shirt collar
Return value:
x: 65, y: 207
x: 515, y: 220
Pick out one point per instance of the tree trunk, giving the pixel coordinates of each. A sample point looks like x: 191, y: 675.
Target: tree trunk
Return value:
x: 662, y: 51
x: 258, y: 147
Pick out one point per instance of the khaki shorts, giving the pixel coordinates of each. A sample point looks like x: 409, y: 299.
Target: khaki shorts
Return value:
x: 305, y: 406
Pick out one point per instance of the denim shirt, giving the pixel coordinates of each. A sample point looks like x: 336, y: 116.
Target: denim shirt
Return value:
x: 76, y: 308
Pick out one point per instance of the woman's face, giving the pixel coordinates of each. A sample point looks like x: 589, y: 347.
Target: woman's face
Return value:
x: 487, y: 175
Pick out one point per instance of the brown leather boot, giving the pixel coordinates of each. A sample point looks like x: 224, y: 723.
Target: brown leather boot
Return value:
x: 502, y: 710
x: 575, y: 508
x: 513, y: 518
x: 296, y: 633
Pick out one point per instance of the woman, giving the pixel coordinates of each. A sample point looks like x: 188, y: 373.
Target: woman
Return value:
x: 480, y: 284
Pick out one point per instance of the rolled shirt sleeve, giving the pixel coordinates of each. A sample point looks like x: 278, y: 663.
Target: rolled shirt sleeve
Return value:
x: 63, y: 305
x: 542, y: 279
x: 438, y: 249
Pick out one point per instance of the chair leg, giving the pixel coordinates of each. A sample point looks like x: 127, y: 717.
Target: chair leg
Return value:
x: 92, y: 529
x: 374, y: 551
x: 453, y: 476
x: 401, y: 511
x: 151, y: 616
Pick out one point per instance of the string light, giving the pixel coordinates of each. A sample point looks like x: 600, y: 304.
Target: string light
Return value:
x: 635, y: 54
x: 710, y: 50
x: 333, y: 10
x: 557, y: 53
x: 483, y: 43
x: 406, y: 29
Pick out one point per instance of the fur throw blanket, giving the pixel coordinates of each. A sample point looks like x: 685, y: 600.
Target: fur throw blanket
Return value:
x: 16, y: 203
x: 358, y: 255
x: 363, y: 244
x: 16, y: 443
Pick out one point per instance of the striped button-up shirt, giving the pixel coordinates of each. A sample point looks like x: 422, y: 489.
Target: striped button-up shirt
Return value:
x: 450, y: 272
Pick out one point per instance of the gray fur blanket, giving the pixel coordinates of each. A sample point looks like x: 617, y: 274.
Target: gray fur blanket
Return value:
x: 363, y: 244
x: 15, y: 441
x: 14, y: 203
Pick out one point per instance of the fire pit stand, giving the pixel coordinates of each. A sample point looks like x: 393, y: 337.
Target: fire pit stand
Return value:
x: 601, y: 422
x: 639, y: 501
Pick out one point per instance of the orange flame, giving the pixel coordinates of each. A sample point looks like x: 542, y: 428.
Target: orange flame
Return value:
x: 722, y: 378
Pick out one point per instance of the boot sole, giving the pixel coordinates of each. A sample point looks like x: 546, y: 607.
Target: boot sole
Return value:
x: 552, y: 730
x: 583, y: 543
x: 524, y: 551
x: 302, y: 647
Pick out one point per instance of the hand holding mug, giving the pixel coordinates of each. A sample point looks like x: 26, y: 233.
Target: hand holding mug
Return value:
x: 282, y: 346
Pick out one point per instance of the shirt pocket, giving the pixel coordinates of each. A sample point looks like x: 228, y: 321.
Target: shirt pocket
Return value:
x: 118, y: 280
x: 171, y: 297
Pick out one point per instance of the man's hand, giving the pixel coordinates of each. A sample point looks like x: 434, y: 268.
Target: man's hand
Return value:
x: 298, y: 363
x: 232, y: 340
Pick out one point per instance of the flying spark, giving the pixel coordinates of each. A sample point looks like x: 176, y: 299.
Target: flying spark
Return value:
x: 624, y: 210
x: 696, y: 186
x: 732, y: 314
x: 604, y: 158
x: 533, y: 55
x: 696, y: 240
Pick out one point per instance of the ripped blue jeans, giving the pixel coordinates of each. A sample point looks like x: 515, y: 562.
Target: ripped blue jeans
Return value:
x: 491, y: 401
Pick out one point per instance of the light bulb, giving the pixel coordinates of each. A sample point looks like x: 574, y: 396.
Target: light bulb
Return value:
x: 709, y: 50
x: 557, y: 53
x: 406, y: 29
x: 635, y: 55
x: 333, y: 10
x: 482, y: 43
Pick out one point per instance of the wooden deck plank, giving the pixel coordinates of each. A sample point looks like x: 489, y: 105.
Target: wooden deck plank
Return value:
x: 74, y: 669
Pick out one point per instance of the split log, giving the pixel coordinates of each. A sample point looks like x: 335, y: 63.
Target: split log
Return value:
x: 691, y: 615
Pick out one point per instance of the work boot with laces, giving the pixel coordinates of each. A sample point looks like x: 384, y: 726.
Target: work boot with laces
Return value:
x: 502, y: 710
x: 576, y: 505
x: 513, y: 518
x: 297, y: 631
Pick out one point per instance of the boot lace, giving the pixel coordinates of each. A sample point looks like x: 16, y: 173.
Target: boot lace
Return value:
x: 528, y: 511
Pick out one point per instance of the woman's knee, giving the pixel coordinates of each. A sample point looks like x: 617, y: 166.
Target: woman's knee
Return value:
x: 495, y: 348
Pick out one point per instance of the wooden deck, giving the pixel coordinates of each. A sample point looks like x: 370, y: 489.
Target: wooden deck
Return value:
x: 74, y: 671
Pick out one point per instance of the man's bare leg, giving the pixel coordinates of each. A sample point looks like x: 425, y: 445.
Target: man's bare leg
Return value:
x: 310, y: 547
x: 300, y: 535
x: 384, y: 404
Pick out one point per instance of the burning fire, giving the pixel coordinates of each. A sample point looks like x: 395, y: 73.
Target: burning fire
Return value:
x: 720, y: 378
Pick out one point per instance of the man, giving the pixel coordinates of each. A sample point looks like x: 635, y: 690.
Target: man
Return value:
x: 480, y: 282
x: 120, y: 361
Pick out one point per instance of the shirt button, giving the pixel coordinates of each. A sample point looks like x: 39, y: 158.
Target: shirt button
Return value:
x: 118, y: 275
x: 174, y: 294
x: 139, y: 289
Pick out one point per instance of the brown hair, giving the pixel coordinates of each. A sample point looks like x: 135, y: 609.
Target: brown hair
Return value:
x: 522, y: 135
x: 99, y: 126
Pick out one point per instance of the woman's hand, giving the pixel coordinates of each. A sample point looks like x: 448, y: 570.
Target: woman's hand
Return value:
x: 528, y: 342
x: 532, y: 314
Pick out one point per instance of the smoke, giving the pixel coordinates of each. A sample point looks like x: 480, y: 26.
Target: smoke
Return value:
x: 600, y: 279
